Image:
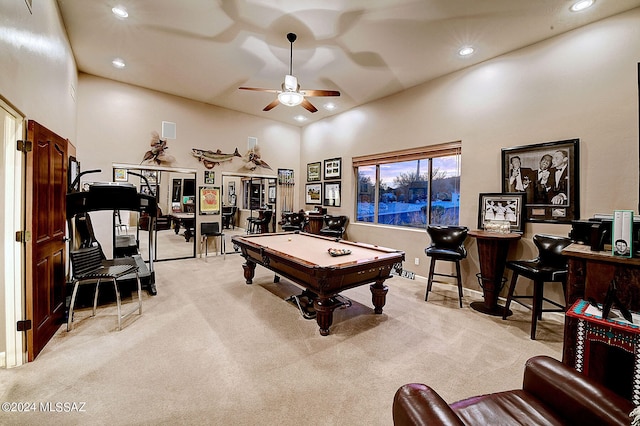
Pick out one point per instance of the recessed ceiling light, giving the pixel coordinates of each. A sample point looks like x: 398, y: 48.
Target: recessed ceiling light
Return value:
x: 120, y: 12
x: 466, y: 51
x: 330, y: 106
x: 118, y: 63
x: 300, y: 118
x: 581, y: 5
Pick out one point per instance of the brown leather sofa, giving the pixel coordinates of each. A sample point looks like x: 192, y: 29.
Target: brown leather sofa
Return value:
x: 551, y: 394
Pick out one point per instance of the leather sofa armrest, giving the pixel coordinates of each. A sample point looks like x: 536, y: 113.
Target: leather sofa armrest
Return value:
x: 576, y: 397
x: 417, y: 404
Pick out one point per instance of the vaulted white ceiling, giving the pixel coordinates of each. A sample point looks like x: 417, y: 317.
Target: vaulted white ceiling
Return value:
x: 366, y: 49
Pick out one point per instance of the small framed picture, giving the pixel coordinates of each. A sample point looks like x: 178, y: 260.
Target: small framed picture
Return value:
x: 331, y: 194
x: 285, y: 177
x: 150, y: 190
x: 332, y: 168
x: 209, y: 177
x: 313, y: 172
x: 507, y: 207
x: 153, y: 176
x: 120, y: 175
x: 209, y: 200
x: 272, y: 194
x: 313, y: 193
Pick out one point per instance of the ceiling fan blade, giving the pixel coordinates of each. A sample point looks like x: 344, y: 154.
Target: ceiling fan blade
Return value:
x: 257, y: 89
x: 320, y: 92
x: 272, y: 105
x: 308, y: 106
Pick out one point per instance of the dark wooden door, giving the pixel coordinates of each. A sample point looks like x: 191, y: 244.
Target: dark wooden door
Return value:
x: 45, y: 213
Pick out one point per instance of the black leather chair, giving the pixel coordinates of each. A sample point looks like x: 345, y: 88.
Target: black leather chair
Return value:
x: 211, y: 229
x: 447, y: 244
x: 261, y: 223
x: 334, y: 226
x: 549, y: 266
x: 229, y: 216
x: 88, y: 266
x: 294, y: 221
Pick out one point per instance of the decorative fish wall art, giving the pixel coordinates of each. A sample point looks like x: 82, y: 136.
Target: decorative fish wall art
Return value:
x: 210, y: 159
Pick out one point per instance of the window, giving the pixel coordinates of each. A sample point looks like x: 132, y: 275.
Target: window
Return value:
x: 410, y: 187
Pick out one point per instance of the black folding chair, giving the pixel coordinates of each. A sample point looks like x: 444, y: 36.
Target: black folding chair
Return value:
x: 88, y: 267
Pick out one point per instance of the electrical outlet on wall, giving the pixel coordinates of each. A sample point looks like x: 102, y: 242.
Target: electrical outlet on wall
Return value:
x: 417, y: 261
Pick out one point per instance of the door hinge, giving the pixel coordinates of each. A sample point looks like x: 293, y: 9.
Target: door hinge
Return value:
x: 24, y: 325
x: 25, y: 146
x: 23, y: 236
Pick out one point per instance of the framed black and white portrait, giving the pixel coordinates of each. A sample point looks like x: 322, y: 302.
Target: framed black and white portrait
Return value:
x: 547, y: 173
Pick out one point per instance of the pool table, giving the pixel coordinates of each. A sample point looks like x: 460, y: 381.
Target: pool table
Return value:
x: 305, y: 260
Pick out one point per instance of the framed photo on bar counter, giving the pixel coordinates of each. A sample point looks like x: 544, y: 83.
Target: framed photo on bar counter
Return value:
x: 501, y: 207
x: 547, y: 173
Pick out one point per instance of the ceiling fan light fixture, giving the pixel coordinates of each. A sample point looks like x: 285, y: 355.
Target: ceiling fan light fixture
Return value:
x: 290, y: 98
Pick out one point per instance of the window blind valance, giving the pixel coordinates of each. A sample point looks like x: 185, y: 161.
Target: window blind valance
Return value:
x: 431, y: 151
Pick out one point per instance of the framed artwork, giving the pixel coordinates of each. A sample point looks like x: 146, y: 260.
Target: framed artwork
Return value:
x: 272, y: 194
x: 332, y: 168
x: 209, y: 200
x: 144, y: 189
x: 209, y: 177
x: 502, y: 207
x: 120, y: 175
x: 153, y: 176
x: 74, y: 172
x: 331, y: 194
x: 313, y: 193
x: 547, y: 173
x: 313, y: 172
x: 285, y: 177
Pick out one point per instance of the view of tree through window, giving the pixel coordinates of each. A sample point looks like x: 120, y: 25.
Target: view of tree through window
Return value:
x: 410, y: 193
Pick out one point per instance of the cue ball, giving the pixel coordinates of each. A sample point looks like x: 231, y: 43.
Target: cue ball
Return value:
x: 289, y: 238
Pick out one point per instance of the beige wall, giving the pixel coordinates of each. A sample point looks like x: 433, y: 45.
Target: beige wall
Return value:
x: 583, y: 84
x: 38, y: 75
x: 115, y: 122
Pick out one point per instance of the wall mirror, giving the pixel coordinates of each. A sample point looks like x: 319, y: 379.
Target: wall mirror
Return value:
x: 246, y: 196
x: 175, y: 190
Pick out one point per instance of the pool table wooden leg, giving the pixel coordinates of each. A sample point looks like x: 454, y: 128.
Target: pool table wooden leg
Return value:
x: 324, y: 314
x: 249, y: 271
x: 378, y: 295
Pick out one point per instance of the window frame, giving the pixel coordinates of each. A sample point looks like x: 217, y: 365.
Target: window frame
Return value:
x: 421, y: 153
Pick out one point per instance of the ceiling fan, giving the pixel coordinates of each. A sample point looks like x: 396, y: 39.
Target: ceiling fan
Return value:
x: 291, y: 95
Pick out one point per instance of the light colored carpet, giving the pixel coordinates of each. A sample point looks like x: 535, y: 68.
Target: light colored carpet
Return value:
x: 210, y: 349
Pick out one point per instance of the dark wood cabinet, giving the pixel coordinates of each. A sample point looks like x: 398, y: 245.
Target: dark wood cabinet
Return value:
x: 590, y: 274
